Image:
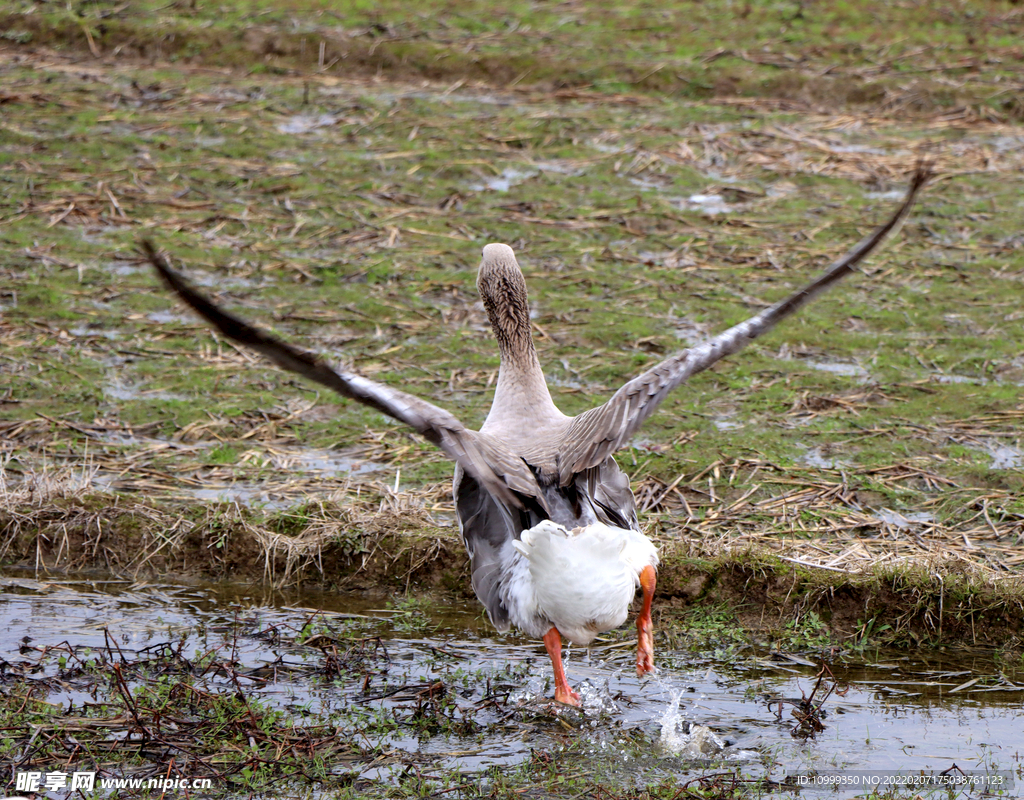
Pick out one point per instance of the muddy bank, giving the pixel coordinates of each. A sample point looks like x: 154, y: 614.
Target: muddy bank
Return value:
x: 324, y: 546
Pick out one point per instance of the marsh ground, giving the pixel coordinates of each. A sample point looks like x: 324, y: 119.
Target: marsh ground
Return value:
x: 288, y: 694
x: 662, y: 173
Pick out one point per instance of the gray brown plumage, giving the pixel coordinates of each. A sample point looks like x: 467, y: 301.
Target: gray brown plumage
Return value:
x: 529, y: 462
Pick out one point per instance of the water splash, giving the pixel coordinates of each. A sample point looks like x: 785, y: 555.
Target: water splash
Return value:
x: 596, y: 701
x: 683, y: 738
x: 530, y: 692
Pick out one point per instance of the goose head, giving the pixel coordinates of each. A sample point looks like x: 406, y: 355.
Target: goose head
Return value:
x: 503, y: 291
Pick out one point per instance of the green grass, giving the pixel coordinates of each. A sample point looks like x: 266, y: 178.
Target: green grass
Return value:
x: 359, y: 239
x: 846, y: 52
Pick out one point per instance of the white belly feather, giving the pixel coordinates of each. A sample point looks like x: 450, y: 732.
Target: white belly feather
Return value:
x: 580, y: 581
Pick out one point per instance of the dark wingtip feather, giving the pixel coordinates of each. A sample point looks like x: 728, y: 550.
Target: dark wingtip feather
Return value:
x: 599, y: 432
x: 441, y: 428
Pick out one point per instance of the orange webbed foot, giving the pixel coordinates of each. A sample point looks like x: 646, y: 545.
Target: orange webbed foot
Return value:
x: 644, y: 627
x: 563, y: 692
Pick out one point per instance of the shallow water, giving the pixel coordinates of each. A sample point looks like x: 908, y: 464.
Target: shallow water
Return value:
x: 502, y: 183
x: 815, y: 457
x: 709, y: 204
x: 837, y: 368
x: 900, y: 710
x: 305, y: 123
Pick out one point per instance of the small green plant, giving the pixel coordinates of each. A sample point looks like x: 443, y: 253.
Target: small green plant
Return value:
x: 223, y: 454
x: 807, y: 631
x: 868, y: 631
x: 409, y: 614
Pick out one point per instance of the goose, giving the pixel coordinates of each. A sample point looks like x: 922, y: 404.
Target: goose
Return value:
x: 547, y: 516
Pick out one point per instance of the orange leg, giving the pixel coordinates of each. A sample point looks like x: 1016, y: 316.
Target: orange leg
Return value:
x: 644, y: 633
x: 553, y: 644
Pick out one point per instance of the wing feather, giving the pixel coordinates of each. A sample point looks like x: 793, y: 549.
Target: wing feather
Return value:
x: 493, y: 466
x: 595, y: 434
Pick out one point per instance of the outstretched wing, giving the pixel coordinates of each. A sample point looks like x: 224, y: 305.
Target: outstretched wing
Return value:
x: 500, y: 472
x: 595, y: 434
